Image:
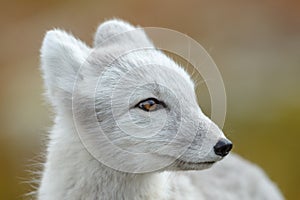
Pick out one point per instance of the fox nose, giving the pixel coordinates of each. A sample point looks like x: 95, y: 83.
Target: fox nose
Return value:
x: 223, y: 147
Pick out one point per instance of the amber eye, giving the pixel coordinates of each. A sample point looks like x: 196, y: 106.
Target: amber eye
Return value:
x: 150, y: 104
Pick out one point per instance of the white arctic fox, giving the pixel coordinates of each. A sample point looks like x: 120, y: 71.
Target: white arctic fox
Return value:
x: 128, y: 126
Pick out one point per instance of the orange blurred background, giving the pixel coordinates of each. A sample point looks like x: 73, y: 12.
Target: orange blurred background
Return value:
x: 256, y: 45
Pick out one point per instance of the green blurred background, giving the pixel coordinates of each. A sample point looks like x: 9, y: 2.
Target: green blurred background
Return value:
x: 256, y: 45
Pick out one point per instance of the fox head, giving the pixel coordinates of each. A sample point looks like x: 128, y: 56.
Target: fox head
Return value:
x: 132, y: 107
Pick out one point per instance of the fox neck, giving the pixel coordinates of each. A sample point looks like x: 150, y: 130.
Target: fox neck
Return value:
x: 72, y: 173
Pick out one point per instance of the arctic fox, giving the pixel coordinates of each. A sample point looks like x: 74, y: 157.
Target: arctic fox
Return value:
x: 127, y: 126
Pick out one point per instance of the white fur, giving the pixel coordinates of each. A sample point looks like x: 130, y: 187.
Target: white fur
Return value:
x: 71, y: 172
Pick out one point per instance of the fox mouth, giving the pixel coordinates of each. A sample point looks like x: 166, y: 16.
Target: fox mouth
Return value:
x: 185, y: 165
x: 196, y: 163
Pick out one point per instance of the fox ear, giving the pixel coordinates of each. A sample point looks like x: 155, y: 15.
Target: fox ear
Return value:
x: 61, y: 58
x: 113, y: 29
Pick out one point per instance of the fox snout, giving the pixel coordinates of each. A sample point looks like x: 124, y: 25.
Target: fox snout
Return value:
x: 223, y: 147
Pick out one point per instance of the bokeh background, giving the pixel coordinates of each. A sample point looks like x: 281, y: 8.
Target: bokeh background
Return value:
x: 256, y: 45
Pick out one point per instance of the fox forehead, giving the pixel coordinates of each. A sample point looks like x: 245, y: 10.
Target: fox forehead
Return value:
x: 140, y: 66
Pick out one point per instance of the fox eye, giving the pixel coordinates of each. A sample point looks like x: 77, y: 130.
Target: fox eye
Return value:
x: 150, y: 104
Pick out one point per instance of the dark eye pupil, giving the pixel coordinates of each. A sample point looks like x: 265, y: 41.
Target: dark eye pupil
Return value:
x: 151, y: 102
x: 149, y: 105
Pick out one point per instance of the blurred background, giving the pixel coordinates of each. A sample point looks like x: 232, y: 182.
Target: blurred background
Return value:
x: 255, y: 44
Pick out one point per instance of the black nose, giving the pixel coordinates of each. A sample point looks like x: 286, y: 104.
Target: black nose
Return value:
x: 223, y: 147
